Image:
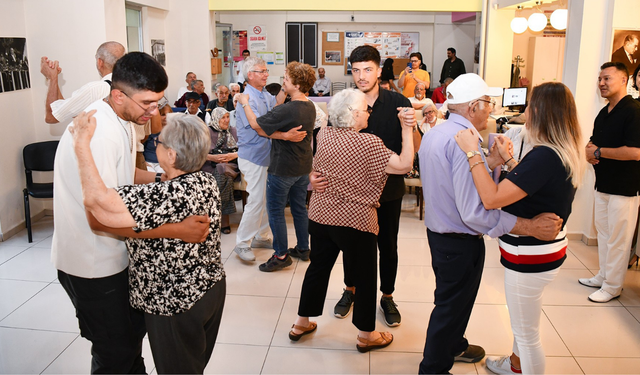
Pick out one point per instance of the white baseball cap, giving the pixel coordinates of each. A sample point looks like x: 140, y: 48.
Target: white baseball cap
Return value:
x: 468, y: 87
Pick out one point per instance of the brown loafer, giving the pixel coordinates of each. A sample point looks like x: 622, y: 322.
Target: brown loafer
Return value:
x: 383, y: 341
x: 305, y: 331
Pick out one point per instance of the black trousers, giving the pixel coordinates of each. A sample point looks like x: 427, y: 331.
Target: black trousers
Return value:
x: 105, y: 317
x: 183, y: 343
x: 457, y: 264
x: 389, y: 223
x: 359, y: 251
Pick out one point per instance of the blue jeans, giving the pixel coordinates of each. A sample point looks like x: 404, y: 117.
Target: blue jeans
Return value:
x: 278, y: 190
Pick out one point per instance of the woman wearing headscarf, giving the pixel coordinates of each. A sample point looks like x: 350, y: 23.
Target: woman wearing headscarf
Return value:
x: 222, y: 161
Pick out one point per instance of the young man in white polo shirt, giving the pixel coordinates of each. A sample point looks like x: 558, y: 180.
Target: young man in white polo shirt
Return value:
x: 93, y: 265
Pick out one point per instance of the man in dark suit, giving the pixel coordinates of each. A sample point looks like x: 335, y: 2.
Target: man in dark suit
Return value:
x: 626, y: 53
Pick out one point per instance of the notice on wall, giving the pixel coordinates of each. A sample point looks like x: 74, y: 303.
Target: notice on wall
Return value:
x: 389, y: 44
x: 258, y: 38
x: 239, y: 44
x: 279, y: 58
x: 257, y: 43
x: 268, y: 57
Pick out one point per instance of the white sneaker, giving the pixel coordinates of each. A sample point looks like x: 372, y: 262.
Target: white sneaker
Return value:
x: 590, y: 282
x: 245, y: 253
x: 602, y: 296
x: 501, y: 365
x: 262, y: 244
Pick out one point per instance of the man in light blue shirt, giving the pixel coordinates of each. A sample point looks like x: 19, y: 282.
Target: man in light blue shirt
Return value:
x: 253, y: 160
x: 456, y: 220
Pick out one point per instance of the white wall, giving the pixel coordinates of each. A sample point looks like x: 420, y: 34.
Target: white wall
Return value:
x: 460, y: 36
x: 187, y: 43
x: 17, y: 125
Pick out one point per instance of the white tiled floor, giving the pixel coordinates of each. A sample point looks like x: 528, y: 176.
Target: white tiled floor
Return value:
x: 39, y: 331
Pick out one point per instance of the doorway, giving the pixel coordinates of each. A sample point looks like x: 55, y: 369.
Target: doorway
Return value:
x: 224, y: 42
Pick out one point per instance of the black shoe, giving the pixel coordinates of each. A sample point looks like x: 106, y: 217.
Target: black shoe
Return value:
x: 297, y: 253
x: 343, y: 307
x: 473, y: 354
x: 390, y: 310
x: 274, y: 264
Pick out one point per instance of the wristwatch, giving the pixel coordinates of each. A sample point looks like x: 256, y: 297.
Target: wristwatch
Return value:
x: 158, y: 177
x: 473, y: 153
x: 243, y: 105
x: 597, y: 153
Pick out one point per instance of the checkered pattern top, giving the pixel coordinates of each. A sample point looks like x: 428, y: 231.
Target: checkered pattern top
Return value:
x: 354, y: 165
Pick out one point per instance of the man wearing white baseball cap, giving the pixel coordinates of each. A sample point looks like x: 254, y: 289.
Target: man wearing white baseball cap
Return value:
x: 456, y: 221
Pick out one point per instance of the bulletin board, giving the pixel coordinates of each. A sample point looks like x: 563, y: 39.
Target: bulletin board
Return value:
x: 395, y: 45
x: 333, y: 48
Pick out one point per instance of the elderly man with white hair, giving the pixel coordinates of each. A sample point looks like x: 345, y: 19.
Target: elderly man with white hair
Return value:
x: 419, y: 98
x: 456, y: 221
x: 253, y: 160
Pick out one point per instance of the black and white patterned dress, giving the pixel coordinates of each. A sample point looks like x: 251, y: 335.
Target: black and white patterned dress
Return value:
x: 168, y: 276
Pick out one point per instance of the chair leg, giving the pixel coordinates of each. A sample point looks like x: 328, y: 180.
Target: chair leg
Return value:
x: 244, y: 198
x: 27, y: 214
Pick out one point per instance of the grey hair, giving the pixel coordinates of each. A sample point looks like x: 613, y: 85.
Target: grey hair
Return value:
x: 250, y: 63
x: 193, y: 83
x: 420, y: 83
x: 109, y: 53
x: 427, y: 107
x: 341, y: 107
x: 232, y: 85
x: 448, y: 80
x: 189, y: 137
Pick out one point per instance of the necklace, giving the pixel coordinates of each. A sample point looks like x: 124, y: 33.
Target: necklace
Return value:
x: 130, y: 130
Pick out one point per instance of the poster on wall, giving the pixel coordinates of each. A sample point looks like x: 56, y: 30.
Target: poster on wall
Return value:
x: 239, y: 44
x: 268, y: 57
x: 389, y: 44
x: 157, y: 51
x: 14, y: 65
x: 258, y: 38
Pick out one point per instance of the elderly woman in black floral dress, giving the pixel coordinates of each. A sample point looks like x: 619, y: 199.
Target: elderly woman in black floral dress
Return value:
x: 222, y: 161
x: 180, y: 286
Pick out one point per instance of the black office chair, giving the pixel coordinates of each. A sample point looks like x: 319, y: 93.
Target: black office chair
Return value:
x: 37, y: 157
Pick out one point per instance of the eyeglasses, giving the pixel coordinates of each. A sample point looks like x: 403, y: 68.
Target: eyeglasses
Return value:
x: 492, y: 102
x: 260, y: 71
x: 430, y: 112
x: 414, y: 61
x: 156, y: 141
x: 147, y: 110
x: 368, y: 110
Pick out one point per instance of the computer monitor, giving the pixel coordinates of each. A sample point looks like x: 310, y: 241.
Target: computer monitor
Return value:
x: 515, y: 98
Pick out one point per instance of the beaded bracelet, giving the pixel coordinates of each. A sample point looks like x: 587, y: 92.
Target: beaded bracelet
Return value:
x: 476, y: 163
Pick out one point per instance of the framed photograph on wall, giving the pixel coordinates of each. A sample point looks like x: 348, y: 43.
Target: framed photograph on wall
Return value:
x: 14, y: 65
x: 624, y: 48
x: 333, y: 57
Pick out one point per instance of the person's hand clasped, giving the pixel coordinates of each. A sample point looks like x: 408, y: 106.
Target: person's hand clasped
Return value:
x: 84, y: 125
x: 407, y: 116
x: 467, y: 140
x: 504, y: 147
x: 589, y: 152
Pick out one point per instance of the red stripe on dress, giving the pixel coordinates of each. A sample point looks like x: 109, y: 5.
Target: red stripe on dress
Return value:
x: 533, y: 259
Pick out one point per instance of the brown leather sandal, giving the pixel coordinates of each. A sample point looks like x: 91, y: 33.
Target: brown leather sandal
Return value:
x: 383, y: 341
x: 305, y: 331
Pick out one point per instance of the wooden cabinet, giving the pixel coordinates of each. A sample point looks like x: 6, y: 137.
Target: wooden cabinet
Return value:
x: 216, y: 65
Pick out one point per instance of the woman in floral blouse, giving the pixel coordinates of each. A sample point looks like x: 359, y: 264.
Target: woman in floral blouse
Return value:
x: 180, y: 286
